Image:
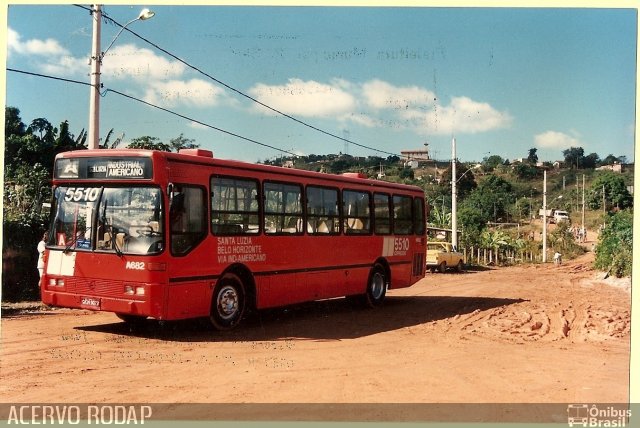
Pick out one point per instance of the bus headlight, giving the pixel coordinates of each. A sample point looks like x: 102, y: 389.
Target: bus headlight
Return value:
x: 56, y: 282
x: 130, y: 289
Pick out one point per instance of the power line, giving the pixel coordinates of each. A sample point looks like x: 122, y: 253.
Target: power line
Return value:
x: 239, y: 92
x: 199, y: 122
x: 157, y: 107
x: 49, y: 77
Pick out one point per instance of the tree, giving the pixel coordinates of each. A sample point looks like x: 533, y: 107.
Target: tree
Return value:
x: 465, y: 183
x: 107, y: 141
x: 180, y: 142
x: 591, y: 161
x: 615, y: 191
x: 526, y: 171
x: 495, y: 240
x: 473, y: 223
x: 439, y: 218
x: 533, y: 157
x: 45, y: 130
x: 149, y: 143
x: 490, y: 163
x: 610, y: 160
x: 13, y: 123
x: 574, y: 156
x: 24, y: 194
x: 406, y: 173
x: 491, y: 198
x: 65, y: 141
x: 614, y: 250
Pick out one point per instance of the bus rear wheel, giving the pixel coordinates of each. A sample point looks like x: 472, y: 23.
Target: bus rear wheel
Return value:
x: 228, y: 302
x: 376, y: 287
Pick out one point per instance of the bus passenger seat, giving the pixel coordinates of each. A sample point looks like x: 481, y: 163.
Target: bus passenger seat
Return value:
x: 120, y: 240
x: 106, y: 243
x: 355, y: 224
x: 322, y: 227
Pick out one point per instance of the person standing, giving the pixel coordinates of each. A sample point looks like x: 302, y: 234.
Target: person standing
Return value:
x: 557, y: 258
x: 41, y: 248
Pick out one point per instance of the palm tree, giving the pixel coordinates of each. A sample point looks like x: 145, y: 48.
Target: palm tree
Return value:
x: 440, y: 218
x: 115, y: 143
x: 495, y: 240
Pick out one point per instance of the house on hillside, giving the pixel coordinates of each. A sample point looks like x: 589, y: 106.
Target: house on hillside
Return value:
x: 413, y: 158
x: 616, y: 167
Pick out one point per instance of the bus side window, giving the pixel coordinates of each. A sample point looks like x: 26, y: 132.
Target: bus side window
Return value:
x: 282, y: 208
x: 356, y: 212
x: 234, y: 206
x: 402, y: 215
x: 382, y: 214
x: 322, y: 210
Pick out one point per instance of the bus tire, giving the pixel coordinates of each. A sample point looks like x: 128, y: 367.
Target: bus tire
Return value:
x: 228, y: 302
x: 460, y: 266
x: 376, y: 287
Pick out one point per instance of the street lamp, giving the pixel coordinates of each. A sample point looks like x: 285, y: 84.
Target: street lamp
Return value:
x: 96, y: 62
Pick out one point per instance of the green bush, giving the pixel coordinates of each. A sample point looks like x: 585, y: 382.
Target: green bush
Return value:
x: 614, y: 252
x: 19, y: 258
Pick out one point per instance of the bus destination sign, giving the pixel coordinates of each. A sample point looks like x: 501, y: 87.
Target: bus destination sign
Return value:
x: 104, y: 168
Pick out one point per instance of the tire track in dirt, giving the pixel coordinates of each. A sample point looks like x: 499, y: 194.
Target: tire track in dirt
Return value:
x: 530, y: 322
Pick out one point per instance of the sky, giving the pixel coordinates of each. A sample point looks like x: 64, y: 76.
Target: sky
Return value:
x: 499, y: 80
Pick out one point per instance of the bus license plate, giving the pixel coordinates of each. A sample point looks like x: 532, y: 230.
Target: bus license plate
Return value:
x: 90, y: 303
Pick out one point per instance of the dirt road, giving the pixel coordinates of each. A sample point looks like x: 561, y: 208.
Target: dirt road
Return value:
x: 542, y: 334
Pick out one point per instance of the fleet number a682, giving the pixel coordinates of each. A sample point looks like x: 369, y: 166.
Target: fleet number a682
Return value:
x: 135, y: 265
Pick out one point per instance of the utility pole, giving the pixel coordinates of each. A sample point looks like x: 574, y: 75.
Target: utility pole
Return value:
x: 454, y: 202
x: 94, y: 95
x: 582, y: 201
x: 544, y: 218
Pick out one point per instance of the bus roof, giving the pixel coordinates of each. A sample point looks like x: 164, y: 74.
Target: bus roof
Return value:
x: 205, y: 157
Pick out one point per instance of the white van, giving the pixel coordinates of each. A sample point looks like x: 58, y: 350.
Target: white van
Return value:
x: 560, y: 216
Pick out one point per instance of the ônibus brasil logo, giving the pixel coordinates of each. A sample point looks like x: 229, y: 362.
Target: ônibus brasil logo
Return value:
x: 585, y: 415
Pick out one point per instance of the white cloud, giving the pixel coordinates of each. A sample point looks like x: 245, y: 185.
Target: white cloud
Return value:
x: 48, y: 47
x: 196, y: 125
x: 465, y: 116
x: 193, y: 93
x: 556, y: 140
x: 128, y: 61
x: 382, y: 95
x: 306, y: 98
x: 65, y: 66
x: 380, y: 104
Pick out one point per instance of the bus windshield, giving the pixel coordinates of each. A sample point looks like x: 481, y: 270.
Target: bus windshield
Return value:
x: 113, y: 219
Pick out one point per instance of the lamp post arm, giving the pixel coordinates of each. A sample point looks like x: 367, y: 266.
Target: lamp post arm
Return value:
x: 116, y: 37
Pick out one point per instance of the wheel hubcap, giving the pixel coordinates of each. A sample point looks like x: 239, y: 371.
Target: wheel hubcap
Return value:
x: 227, y: 302
x: 377, y: 286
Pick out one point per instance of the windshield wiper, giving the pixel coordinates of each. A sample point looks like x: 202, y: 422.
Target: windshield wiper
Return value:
x: 114, y: 241
x: 75, y: 239
x: 110, y: 228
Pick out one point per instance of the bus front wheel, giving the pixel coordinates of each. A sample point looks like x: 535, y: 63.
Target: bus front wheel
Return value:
x: 376, y: 287
x: 228, y: 302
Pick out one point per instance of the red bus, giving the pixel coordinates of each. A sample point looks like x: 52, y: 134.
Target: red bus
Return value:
x: 185, y: 235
